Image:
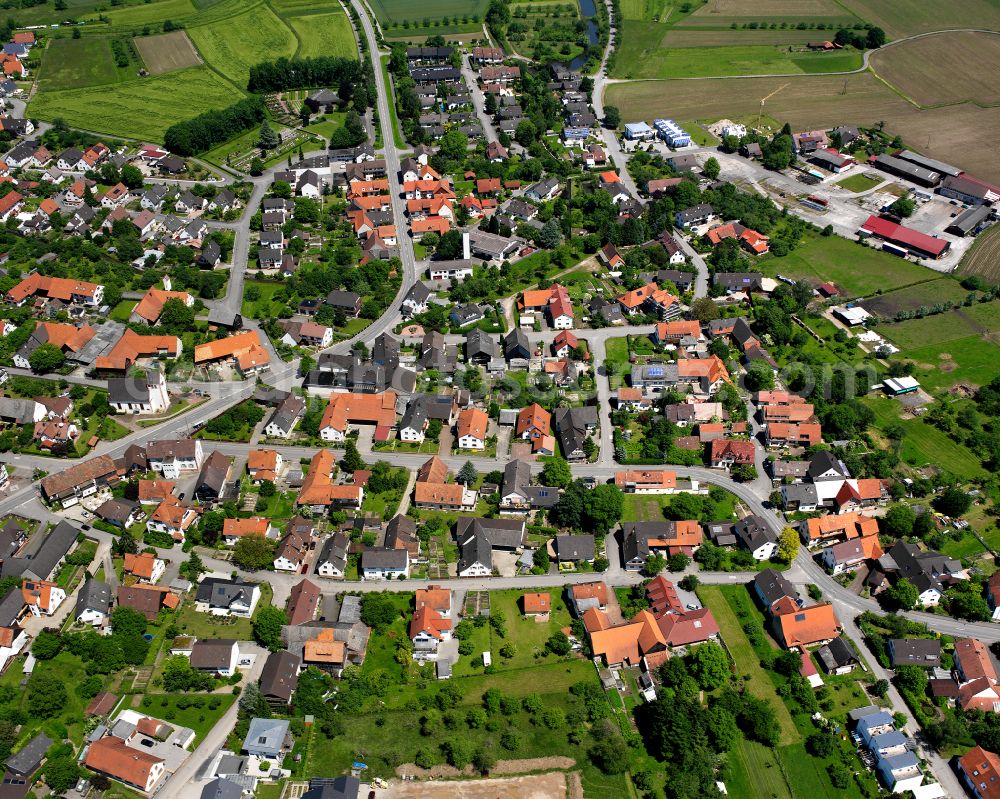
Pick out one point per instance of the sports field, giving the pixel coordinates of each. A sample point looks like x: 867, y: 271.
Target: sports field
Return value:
x: 943, y: 69
x: 324, y: 34
x: 899, y: 18
x: 983, y: 258
x: 141, y: 109
x: 72, y: 63
x: 394, y: 11
x: 167, y: 52
x: 234, y: 45
x: 961, y: 134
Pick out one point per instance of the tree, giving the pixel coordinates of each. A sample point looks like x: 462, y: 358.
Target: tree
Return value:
x: 788, y: 545
x: 526, y: 133
x: 904, y: 207
x: 254, y: 552
x: 193, y: 567
x: 612, y: 117
x: 47, y: 644
x: 61, y: 773
x: 454, y: 145
x: 704, y: 310
x: 876, y: 38
x: 558, y: 643
x: 550, y: 235
x: 602, y: 508
x: 378, y: 611
x: 557, y: 473
x: 267, y: 626
x: 540, y: 559
x: 821, y: 744
x: 609, y: 751
x: 903, y: 595
x: 709, y: 665
x: 46, y: 358
x: 46, y: 694
x: 743, y: 473
x: 131, y: 176
x: 953, y: 501
x: 267, y: 139
x: 484, y: 759
x: 352, y: 460
x: 176, y: 317
x: 468, y: 474
x: 711, y: 169
x: 267, y: 488
x: 678, y: 562
x: 654, y: 565
x: 911, y: 679
x: 126, y: 621
x: 898, y: 521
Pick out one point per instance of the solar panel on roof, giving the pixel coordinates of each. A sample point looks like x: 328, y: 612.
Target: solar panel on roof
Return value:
x: 655, y: 371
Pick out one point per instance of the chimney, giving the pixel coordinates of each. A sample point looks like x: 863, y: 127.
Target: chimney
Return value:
x: 466, y: 251
x: 167, y: 283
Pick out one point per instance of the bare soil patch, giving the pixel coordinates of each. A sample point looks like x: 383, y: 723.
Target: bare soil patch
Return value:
x: 167, y: 52
x: 536, y: 786
x: 943, y: 69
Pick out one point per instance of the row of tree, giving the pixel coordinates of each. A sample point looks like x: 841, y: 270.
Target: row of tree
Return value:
x: 283, y: 74
x: 211, y: 128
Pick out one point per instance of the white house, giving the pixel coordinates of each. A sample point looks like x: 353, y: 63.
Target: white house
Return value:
x: 172, y: 457
x: 94, y: 603
x: 42, y: 597
x: 139, y: 394
x: 221, y: 597
x: 385, y: 564
x: 217, y: 657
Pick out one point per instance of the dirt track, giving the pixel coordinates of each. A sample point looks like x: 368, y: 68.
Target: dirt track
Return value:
x: 538, y: 786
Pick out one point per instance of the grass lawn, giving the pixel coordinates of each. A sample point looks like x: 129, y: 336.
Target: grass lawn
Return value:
x: 202, y: 625
x: 755, y: 772
x: 123, y: 310
x: 384, y: 504
x: 747, y: 662
x: 265, y: 307
x: 325, y: 127
x: 969, y: 360
x: 856, y: 269
x: 527, y: 635
x: 397, y: 137
x: 280, y: 506
x: 139, y: 109
x: 858, y: 183
x: 200, y: 717
x: 70, y: 670
x: 616, y: 360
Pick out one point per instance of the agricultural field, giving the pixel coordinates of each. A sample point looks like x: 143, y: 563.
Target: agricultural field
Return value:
x: 75, y: 63
x: 684, y: 36
x: 395, y: 11
x: 262, y: 36
x: 983, y: 258
x: 167, y: 52
x: 778, y: 10
x: 133, y: 16
x: 943, y: 69
x: 856, y: 269
x: 324, y: 34
x: 940, y: 328
x: 959, y: 133
x: 653, y: 10
x: 140, y: 109
x: 899, y: 18
x: 913, y: 297
x: 972, y: 361
x: 695, y: 61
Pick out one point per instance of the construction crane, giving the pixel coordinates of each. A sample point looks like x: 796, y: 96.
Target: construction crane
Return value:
x: 763, y: 100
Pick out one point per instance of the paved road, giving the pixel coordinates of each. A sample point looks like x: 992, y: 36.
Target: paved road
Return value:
x: 478, y: 97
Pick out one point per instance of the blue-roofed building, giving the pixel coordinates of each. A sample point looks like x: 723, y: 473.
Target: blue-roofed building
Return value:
x: 672, y: 133
x: 638, y: 131
x: 875, y: 724
x: 900, y: 772
x: 888, y: 744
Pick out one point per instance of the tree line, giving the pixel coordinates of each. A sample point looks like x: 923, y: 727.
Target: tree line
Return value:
x: 302, y: 73
x: 211, y: 128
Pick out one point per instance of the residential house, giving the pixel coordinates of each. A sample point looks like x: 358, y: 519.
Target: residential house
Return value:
x: 222, y: 597
x: 215, y: 656
x: 138, y: 769
x: 384, y: 564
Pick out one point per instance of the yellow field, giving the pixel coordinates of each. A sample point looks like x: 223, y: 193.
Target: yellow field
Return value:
x: 167, y: 52
x: 943, y: 69
x: 962, y: 134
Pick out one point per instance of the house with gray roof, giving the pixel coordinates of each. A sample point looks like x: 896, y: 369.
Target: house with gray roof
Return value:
x: 30, y: 757
x: 267, y: 738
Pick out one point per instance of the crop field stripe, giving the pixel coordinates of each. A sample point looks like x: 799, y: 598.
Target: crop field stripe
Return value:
x: 167, y: 52
x: 324, y: 34
x: 983, y: 257
x: 139, y: 109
